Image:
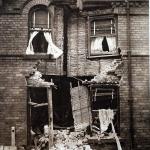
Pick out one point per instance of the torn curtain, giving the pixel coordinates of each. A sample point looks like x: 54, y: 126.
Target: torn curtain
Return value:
x: 52, y: 48
x: 30, y: 50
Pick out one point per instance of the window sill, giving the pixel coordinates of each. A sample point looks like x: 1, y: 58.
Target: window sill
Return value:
x: 38, y: 56
x: 104, y: 56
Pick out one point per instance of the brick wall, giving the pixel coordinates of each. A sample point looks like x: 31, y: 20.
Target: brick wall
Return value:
x: 141, y: 106
x: 139, y: 35
x: 13, y: 69
x: 10, y: 5
x: 13, y: 101
x: 78, y: 64
x: 14, y: 38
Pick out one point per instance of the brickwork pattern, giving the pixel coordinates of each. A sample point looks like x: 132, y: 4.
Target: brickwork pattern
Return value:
x: 13, y: 41
x: 14, y: 38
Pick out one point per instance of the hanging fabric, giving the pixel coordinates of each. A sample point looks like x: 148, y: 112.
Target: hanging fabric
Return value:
x: 105, y: 118
x: 29, y: 50
x: 112, y: 43
x: 96, y: 44
x: 80, y: 107
x: 80, y: 4
x: 52, y: 48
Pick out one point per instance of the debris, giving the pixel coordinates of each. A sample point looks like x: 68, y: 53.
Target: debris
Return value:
x: 36, y: 80
x: 108, y: 75
x: 66, y: 140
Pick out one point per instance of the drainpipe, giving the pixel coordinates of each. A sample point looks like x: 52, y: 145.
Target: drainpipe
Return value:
x: 66, y: 15
x: 130, y: 99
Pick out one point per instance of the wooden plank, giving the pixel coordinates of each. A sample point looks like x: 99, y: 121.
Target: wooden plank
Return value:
x: 13, y: 138
x: 28, y: 117
x: 50, y: 116
x: 6, y: 148
x: 1, y: 147
x: 13, y: 148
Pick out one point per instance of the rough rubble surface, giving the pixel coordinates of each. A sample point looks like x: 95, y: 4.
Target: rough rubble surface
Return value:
x: 65, y: 140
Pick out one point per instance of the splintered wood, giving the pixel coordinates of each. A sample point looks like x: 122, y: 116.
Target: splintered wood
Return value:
x: 80, y: 107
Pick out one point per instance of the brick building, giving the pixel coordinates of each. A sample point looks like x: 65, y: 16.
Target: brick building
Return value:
x: 75, y: 27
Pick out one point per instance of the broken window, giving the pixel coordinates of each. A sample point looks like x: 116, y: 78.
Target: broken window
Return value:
x: 39, y: 22
x: 104, y: 98
x: 40, y: 30
x: 102, y: 36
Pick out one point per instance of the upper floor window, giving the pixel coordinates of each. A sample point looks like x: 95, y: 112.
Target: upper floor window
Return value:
x: 40, y: 18
x: 40, y: 33
x: 102, y: 36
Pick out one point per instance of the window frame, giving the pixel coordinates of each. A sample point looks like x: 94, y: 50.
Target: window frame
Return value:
x: 90, y: 19
x: 50, y: 18
x: 115, y: 89
x: 50, y: 11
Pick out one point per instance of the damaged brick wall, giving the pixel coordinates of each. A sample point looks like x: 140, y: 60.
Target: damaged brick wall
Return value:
x: 14, y: 98
x: 78, y: 64
x: 15, y: 65
x: 13, y: 101
x: 13, y: 41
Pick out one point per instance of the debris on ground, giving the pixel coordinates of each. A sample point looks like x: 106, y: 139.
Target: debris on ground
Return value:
x: 66, y: 140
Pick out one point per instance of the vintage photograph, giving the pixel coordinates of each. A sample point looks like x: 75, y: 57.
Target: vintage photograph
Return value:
x: 74, y: 75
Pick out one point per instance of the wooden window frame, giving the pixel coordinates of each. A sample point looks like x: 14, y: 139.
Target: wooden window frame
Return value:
x: 115, y: 90
x: 50, y: 18
x: 50, y: 28
x: 104, y: 17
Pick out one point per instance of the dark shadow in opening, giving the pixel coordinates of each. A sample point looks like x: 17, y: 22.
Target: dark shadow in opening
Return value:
x: 39, y: 115
x: 39, y: 43
x: 105, y: 46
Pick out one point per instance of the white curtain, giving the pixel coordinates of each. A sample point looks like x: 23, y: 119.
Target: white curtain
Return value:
x: 105, y: 118
x: 29, y: 50
x: 112, y: 43
x: 96, y: 44
x: 52, y: 48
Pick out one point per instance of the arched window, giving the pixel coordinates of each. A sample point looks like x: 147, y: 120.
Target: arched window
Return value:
x: 39, y: 22
x: 40, y: 18
x: 40, y: 36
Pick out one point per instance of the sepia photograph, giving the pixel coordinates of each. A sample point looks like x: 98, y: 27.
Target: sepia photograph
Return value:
x: 74, y: 75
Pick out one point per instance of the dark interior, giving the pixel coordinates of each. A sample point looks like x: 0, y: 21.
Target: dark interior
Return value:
x: 39, y: 43
x: 105, y: 98
x: 39, y: 115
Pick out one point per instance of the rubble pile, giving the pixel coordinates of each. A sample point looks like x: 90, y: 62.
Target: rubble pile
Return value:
x: 36, y: 80
x: 35, y: 77
x: 66, y: 140
x: 108, y: 75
